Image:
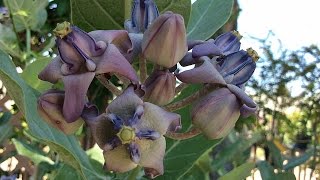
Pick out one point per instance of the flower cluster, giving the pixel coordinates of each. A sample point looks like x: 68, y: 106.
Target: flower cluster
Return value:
x: 131, y: 130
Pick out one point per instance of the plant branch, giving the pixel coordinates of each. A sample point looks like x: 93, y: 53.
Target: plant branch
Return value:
x: 108, y: 84
x: 181, y: 87
x: 185, y: 135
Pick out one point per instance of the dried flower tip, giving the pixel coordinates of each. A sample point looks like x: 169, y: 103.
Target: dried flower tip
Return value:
x: 253, y: 54
x: 62, y: 29
x: 236, y: 33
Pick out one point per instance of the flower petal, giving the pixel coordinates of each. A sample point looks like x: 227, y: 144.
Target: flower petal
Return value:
x: 246, y: 111
x: 52, y: 72
x: 228, y: 43
x: 189, y: 60
x: 157, y: 119
x: 244, y: 74
x: 242, y: 96
x: 113, y: 61
x: 206, y: 49
x: 125, y: 105
x: 118, y: 160
x: 152, y: 154
x: 205, y: 73
x: 76, y: 87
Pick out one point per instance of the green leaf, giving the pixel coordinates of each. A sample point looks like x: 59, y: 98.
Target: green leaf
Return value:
x: 182, y: 7
x: 26, y: 99
x: 9, y: 41
x: 296, y: 161
x: 234, y: 150
x: 6, y: 131
x: 110, y: 14
x: 65, y: 172
x: 4, y: 119
x: 31, y: 152
x: 28, y: 14
x: 30, y: 74
x: 276, y: 154
x: 201, y: 169
x: 240, y: 172
x: 266, y: 170
x: 207, y: 16
x: 285, y: 176
x: 181, y: 155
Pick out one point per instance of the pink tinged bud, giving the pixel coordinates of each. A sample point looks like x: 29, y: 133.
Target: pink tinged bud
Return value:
x: 164, y: 42
x: 160, y: 88
x: 50, y: 109
x: 216, y: 113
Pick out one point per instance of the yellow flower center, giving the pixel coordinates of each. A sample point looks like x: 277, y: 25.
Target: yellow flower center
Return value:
x: 126, y: 134
x: 62, y: 29
x: 236, y: 33
x: 253, y: 54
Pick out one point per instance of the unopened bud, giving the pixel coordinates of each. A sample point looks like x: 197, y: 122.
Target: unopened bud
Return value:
x: 165, y: 43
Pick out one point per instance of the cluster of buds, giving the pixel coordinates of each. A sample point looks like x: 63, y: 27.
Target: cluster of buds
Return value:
x: 131, y: 130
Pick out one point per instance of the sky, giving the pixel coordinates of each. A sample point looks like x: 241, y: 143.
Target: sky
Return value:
x: 294, y: 22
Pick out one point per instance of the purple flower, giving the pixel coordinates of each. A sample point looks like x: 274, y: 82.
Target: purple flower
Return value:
x: 80, y: 58
x: 131, y: 133
x: 143, y: 13
x: 224, y: 44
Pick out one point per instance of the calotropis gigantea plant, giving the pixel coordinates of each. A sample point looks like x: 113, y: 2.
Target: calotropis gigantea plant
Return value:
x: 133, y: 128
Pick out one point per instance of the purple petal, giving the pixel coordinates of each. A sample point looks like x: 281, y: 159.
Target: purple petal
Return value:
x: 52, y: 72
x: 242, y: 96
x: 205, y: 73
x: 118, y: 160
x: 244, y: 74
x: 113, y: 61
x: 134, y: 152
x: 228, y: 43
x: 192, y: 43
x: 148, y: 134
x: 246, y: 111
x: 76, y: 87
x: 116, y: 121
x: 206, y: 49
x: 112, y: 143
x: 189, y: 60
x: 137, y: 115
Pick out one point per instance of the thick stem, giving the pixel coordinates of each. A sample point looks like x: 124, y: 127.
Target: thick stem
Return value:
x: 109, y: 85
x: 186, y: 101
x: 143, y: 69
x: 185, y: 135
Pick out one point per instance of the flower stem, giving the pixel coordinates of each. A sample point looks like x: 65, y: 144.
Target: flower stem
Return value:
x: 108, y: 84
x: 28, y: 41
x: 185, y: 135
x: 181, y: 87
x: 186, y: 101
x: 143, y: 69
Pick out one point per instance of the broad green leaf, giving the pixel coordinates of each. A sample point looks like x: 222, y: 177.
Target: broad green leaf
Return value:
x: 207, y: 16
x: 181, y: 155
x: 31, y: 152
x: 110, y: 14
x: 201, y: 169
x: 266, y: 170
x: 234, y: 150
x: 30, y: 74
x: 296, y: 161
x: 182, y: 7
x: 28, y: 14
x: 65, y: 172
x: 4, y: 119
x: 240, y: 172
x: 26, y: 99
x: 276, y: 154
x: 8, y: 41
x: 285, y: 176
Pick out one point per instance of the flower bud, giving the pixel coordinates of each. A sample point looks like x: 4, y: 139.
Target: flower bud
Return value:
x: 164, y: 42
x: 160, y: 88
x: 143, y: 13
x: 50, y: 109
x: 216, y: 113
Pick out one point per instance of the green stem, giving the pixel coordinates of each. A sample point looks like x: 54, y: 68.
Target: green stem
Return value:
x: 127, y: 9
x: 28, y: 39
